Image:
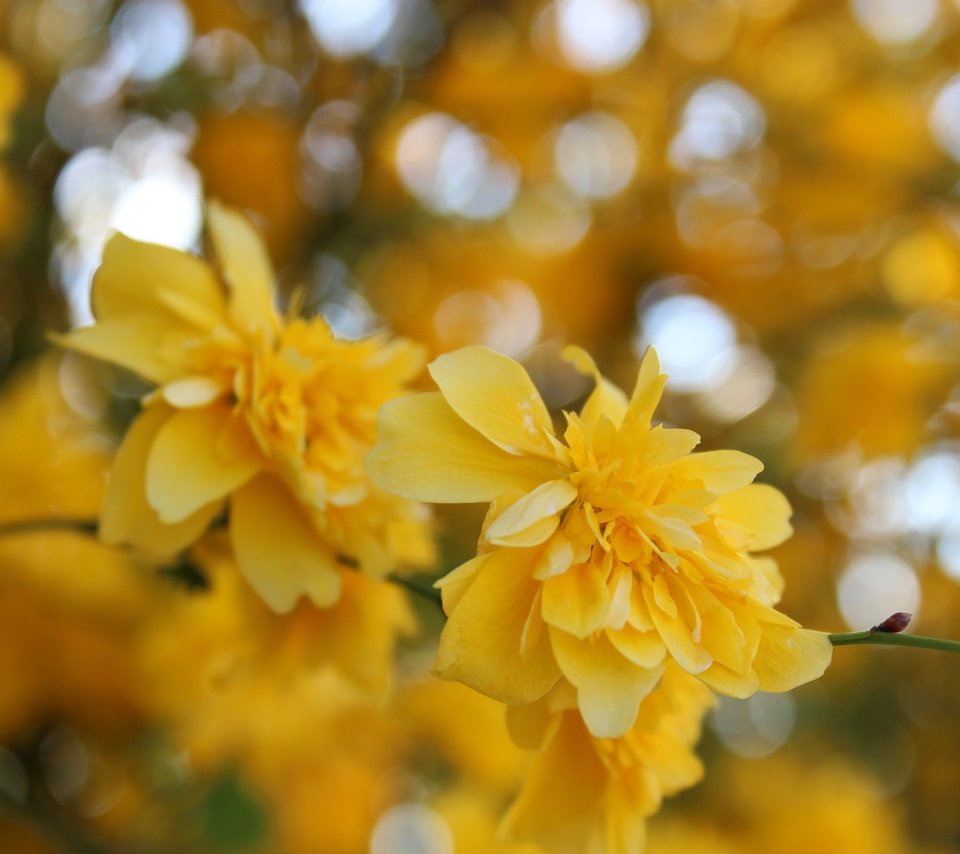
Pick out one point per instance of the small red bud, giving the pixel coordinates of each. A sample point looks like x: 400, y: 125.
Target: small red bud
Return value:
x: 894, y: 623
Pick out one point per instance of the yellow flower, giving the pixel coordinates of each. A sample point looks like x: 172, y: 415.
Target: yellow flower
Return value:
x: 276, y: 418
x: 603, y: 555
x: 589, y: 794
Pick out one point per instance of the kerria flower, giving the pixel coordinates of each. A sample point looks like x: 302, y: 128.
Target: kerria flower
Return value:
x: 589, y: 795
x: 605, y: 554
x: 272, y: 418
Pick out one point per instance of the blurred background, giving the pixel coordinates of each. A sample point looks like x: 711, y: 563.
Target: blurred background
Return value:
x: 766, y: 190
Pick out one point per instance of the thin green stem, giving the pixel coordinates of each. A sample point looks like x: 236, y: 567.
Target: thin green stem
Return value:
x: 891, y: 639
x: 29, y: 526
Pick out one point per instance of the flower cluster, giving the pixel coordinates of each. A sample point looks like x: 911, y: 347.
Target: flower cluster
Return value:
x: 589, y: 794
x: 604, y: 555
x: 617, y: 582
x: 269, y: 417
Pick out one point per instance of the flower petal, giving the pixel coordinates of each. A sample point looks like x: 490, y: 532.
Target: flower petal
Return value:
x: 788, y: 657
x: 245, y: 266
x: 481, y: 642
x: 721, y: 634
x: 645, y: 649
x: 544, y: 502
x: 609, y: 686
x: 189, y: 392
x: 278, y: 551
x: 187, y: 469
x: 149, y: 345
x: 605, y: 399
x: 456, y: 582
x: 719, y: 471
x: 495, y: 396
x: 576, y: 601
x: 568, y: 779
x: 669, y: 528
x: 647, y: 391
x: 725, y: 681
x: 426, y: 451
x: 677, y: 634
x: 134, y: 277
x: 530, y: 725
x: 558, y: 555
x: 756, y: 517
x: 126, y: 517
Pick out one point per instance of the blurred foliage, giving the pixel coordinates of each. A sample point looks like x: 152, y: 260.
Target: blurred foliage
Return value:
x: 767, y: 190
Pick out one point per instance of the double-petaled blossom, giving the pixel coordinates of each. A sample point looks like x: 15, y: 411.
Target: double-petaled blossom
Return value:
x: 589, y: 795
x: 270, y: 418
x: 607, y: 551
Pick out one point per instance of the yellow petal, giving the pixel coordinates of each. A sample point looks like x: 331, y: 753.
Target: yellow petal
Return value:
x: 495, y: 396
x: 243, y: 261
x: 672, y: 531
x: 721, y: 634
x: 149, y: 345
x: 568, y: 779
x: 425, y: 451
x: 719, y: 471
x: 126, y: 516
x: 456, y: 582
x: 625, y: 826
x: 620, y: 585
x: 577, y: 601
x: 533, y: 628
x: 481, y: 642
x: 722, y: 638
x: 788, y: 657
x: 663, y: 445
x: 645, y: 649
x: 530, y: 725
x: 278, y: 551
x: 544, y: 502
x: 677, y: 634
x: 189, y: 392
x: 557, y: 556
x: 184, y: 469
x: 758, y: 516
x: 609, y: 686
x: 539, y: 532
x: 134, y: 277
x: 647, y: 391
x: 725, y: 681
x: 606, y: 400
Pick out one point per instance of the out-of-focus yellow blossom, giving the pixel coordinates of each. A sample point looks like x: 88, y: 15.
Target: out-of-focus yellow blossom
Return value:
x: 787, y: 805
x: 230, y: 684
x: 481, y: 768
x: 586, y: 794
x: 871, y: 384
x: 466, y: 729
x: 245, y: 638
x: 603, y: 556
x: 69, y: 607
x: 274, y: 417
x: 473, y: 818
